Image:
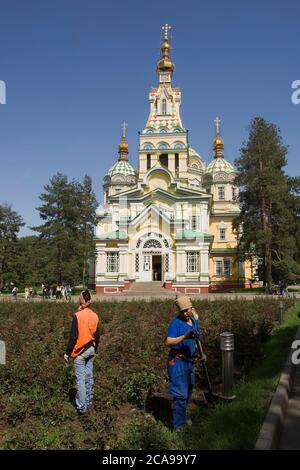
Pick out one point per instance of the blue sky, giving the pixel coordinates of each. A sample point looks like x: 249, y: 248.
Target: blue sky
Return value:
x: 75, y: 69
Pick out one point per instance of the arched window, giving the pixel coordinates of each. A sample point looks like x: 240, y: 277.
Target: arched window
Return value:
x: 164, y: 107
x: 163, y: 130
x: 152, y: 244
x: 178, y: 145
x: 148, y: 147
x: 163, y: 145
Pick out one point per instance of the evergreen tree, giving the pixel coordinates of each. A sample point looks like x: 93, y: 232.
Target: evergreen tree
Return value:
x: 266, y: 218
x: 87, y: 222
x: 69, y: 213
x: 10, y: 224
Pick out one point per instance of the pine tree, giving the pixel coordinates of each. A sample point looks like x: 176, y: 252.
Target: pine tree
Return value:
x: 10, y: 224
x: 69, y: 214
x: 87, y: 222
x: 60, y: 213
x: 266, y: 217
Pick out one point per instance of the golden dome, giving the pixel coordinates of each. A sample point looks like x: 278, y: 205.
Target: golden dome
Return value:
x: 123, y: 146
x: 218, y: 143
x: 165, y: 45
x: 165, y: 65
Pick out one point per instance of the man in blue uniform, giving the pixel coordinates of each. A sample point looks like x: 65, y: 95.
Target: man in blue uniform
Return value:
x: 181, y: 339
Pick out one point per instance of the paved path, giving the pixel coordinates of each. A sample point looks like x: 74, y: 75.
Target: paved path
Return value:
x: 290, y: 437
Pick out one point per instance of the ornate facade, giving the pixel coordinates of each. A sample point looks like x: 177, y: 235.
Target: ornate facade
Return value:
x: 171, y: 219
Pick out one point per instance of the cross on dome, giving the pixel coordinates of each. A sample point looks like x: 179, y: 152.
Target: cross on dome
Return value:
x: 124, y: 128
x: 217, y: 121
x: 166, y: 28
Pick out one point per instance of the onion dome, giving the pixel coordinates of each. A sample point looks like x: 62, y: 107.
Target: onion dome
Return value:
x: 122, y: 166
x: 165, y: 64
x: 219, y: 163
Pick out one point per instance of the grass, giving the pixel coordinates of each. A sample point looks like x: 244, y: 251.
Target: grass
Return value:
x: 237, y: 425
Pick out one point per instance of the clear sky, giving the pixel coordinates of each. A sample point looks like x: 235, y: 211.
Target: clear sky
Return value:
x: 75, y: 69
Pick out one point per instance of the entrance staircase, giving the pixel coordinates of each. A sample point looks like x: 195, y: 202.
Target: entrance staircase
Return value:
x: 148, y: 289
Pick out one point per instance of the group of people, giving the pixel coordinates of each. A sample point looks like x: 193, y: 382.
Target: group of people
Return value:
x: 56, y: 291
x: 183, y: 332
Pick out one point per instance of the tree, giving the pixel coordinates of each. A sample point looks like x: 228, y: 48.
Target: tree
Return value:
x: 68, y: 212
x: 10, y: 224
x: 266, y: 217
x: 87, y: 222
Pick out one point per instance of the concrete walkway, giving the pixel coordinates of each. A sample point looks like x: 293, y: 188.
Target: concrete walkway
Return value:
x: 290, y: 437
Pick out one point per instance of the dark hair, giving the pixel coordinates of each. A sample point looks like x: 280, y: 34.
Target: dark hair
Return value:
x: 86, y: 295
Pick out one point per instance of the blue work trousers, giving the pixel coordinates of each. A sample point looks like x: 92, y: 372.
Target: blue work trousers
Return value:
x: 182, y: 379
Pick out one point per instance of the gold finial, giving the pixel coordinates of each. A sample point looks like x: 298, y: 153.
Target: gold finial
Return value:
x: 123, y: 145
x: 218, y: 142
x: 165, y: 64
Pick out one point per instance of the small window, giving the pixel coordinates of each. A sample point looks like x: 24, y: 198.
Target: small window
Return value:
x: 221, y: 193
x: 176, y: 161
x: 112, y: 262
x: 223, y: 267
x: 222, y: 234
x: 194, y: 222
x: 164, y: 107
x: 192, y: 262
x: 227, y: 266
x: 164, y: 159
x: 148, y: 161
x: 218, y: 268
x: 234, y: 193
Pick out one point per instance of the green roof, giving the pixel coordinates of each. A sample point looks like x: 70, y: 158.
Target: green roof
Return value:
x: 121, y: 168
x: 219, y: 164
x: 116, y: 235
x: 192, y: 234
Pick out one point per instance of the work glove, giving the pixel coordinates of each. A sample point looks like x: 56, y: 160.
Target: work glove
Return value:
x: 192, y: 334
x: 66, y: 357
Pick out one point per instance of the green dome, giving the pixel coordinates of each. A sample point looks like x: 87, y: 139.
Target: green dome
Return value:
x: 220, y: 164
x: 121, y: 168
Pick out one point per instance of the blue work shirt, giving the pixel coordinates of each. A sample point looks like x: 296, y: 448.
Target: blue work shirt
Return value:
x: 179, y: 327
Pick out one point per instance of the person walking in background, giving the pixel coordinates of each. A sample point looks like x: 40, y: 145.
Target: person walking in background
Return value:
x: 181, y: 339
x: 26, y: 292
x: 82, y: 346
x: 15, y: 292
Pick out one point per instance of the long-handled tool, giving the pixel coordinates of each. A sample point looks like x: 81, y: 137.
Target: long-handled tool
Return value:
x: 210, y: 396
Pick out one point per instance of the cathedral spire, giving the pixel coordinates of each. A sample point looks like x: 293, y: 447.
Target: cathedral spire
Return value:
x: 218, y: 144
x: 165, y: 66
x: 123, y: 145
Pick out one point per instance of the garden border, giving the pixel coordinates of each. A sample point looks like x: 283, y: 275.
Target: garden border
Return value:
x: 271, y: 430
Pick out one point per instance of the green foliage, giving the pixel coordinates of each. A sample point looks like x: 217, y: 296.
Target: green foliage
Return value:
x: 36, y: 385
x: 145, y: 434
x: 10, y: 224
x: 266, y: 216
x: 69, y: 213
x: 138, y: 385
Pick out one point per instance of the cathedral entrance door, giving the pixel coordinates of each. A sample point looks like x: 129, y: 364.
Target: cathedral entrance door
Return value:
x: 156, y: 268
x: 146, y: 274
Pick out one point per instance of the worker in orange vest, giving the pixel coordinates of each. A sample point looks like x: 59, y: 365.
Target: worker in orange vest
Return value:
x: 82, y: 346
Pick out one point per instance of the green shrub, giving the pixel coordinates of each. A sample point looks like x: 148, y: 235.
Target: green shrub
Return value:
x: 138, y: 385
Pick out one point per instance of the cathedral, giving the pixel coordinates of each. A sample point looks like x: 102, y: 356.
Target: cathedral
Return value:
x: 169, y: 220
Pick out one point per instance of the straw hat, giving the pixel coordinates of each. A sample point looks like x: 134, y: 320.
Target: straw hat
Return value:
x: 183, y: 303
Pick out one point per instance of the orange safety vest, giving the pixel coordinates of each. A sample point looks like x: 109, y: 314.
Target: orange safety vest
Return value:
x: 87, y: 326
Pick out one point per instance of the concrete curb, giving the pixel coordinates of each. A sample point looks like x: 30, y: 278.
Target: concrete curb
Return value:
x: 272, y: 427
